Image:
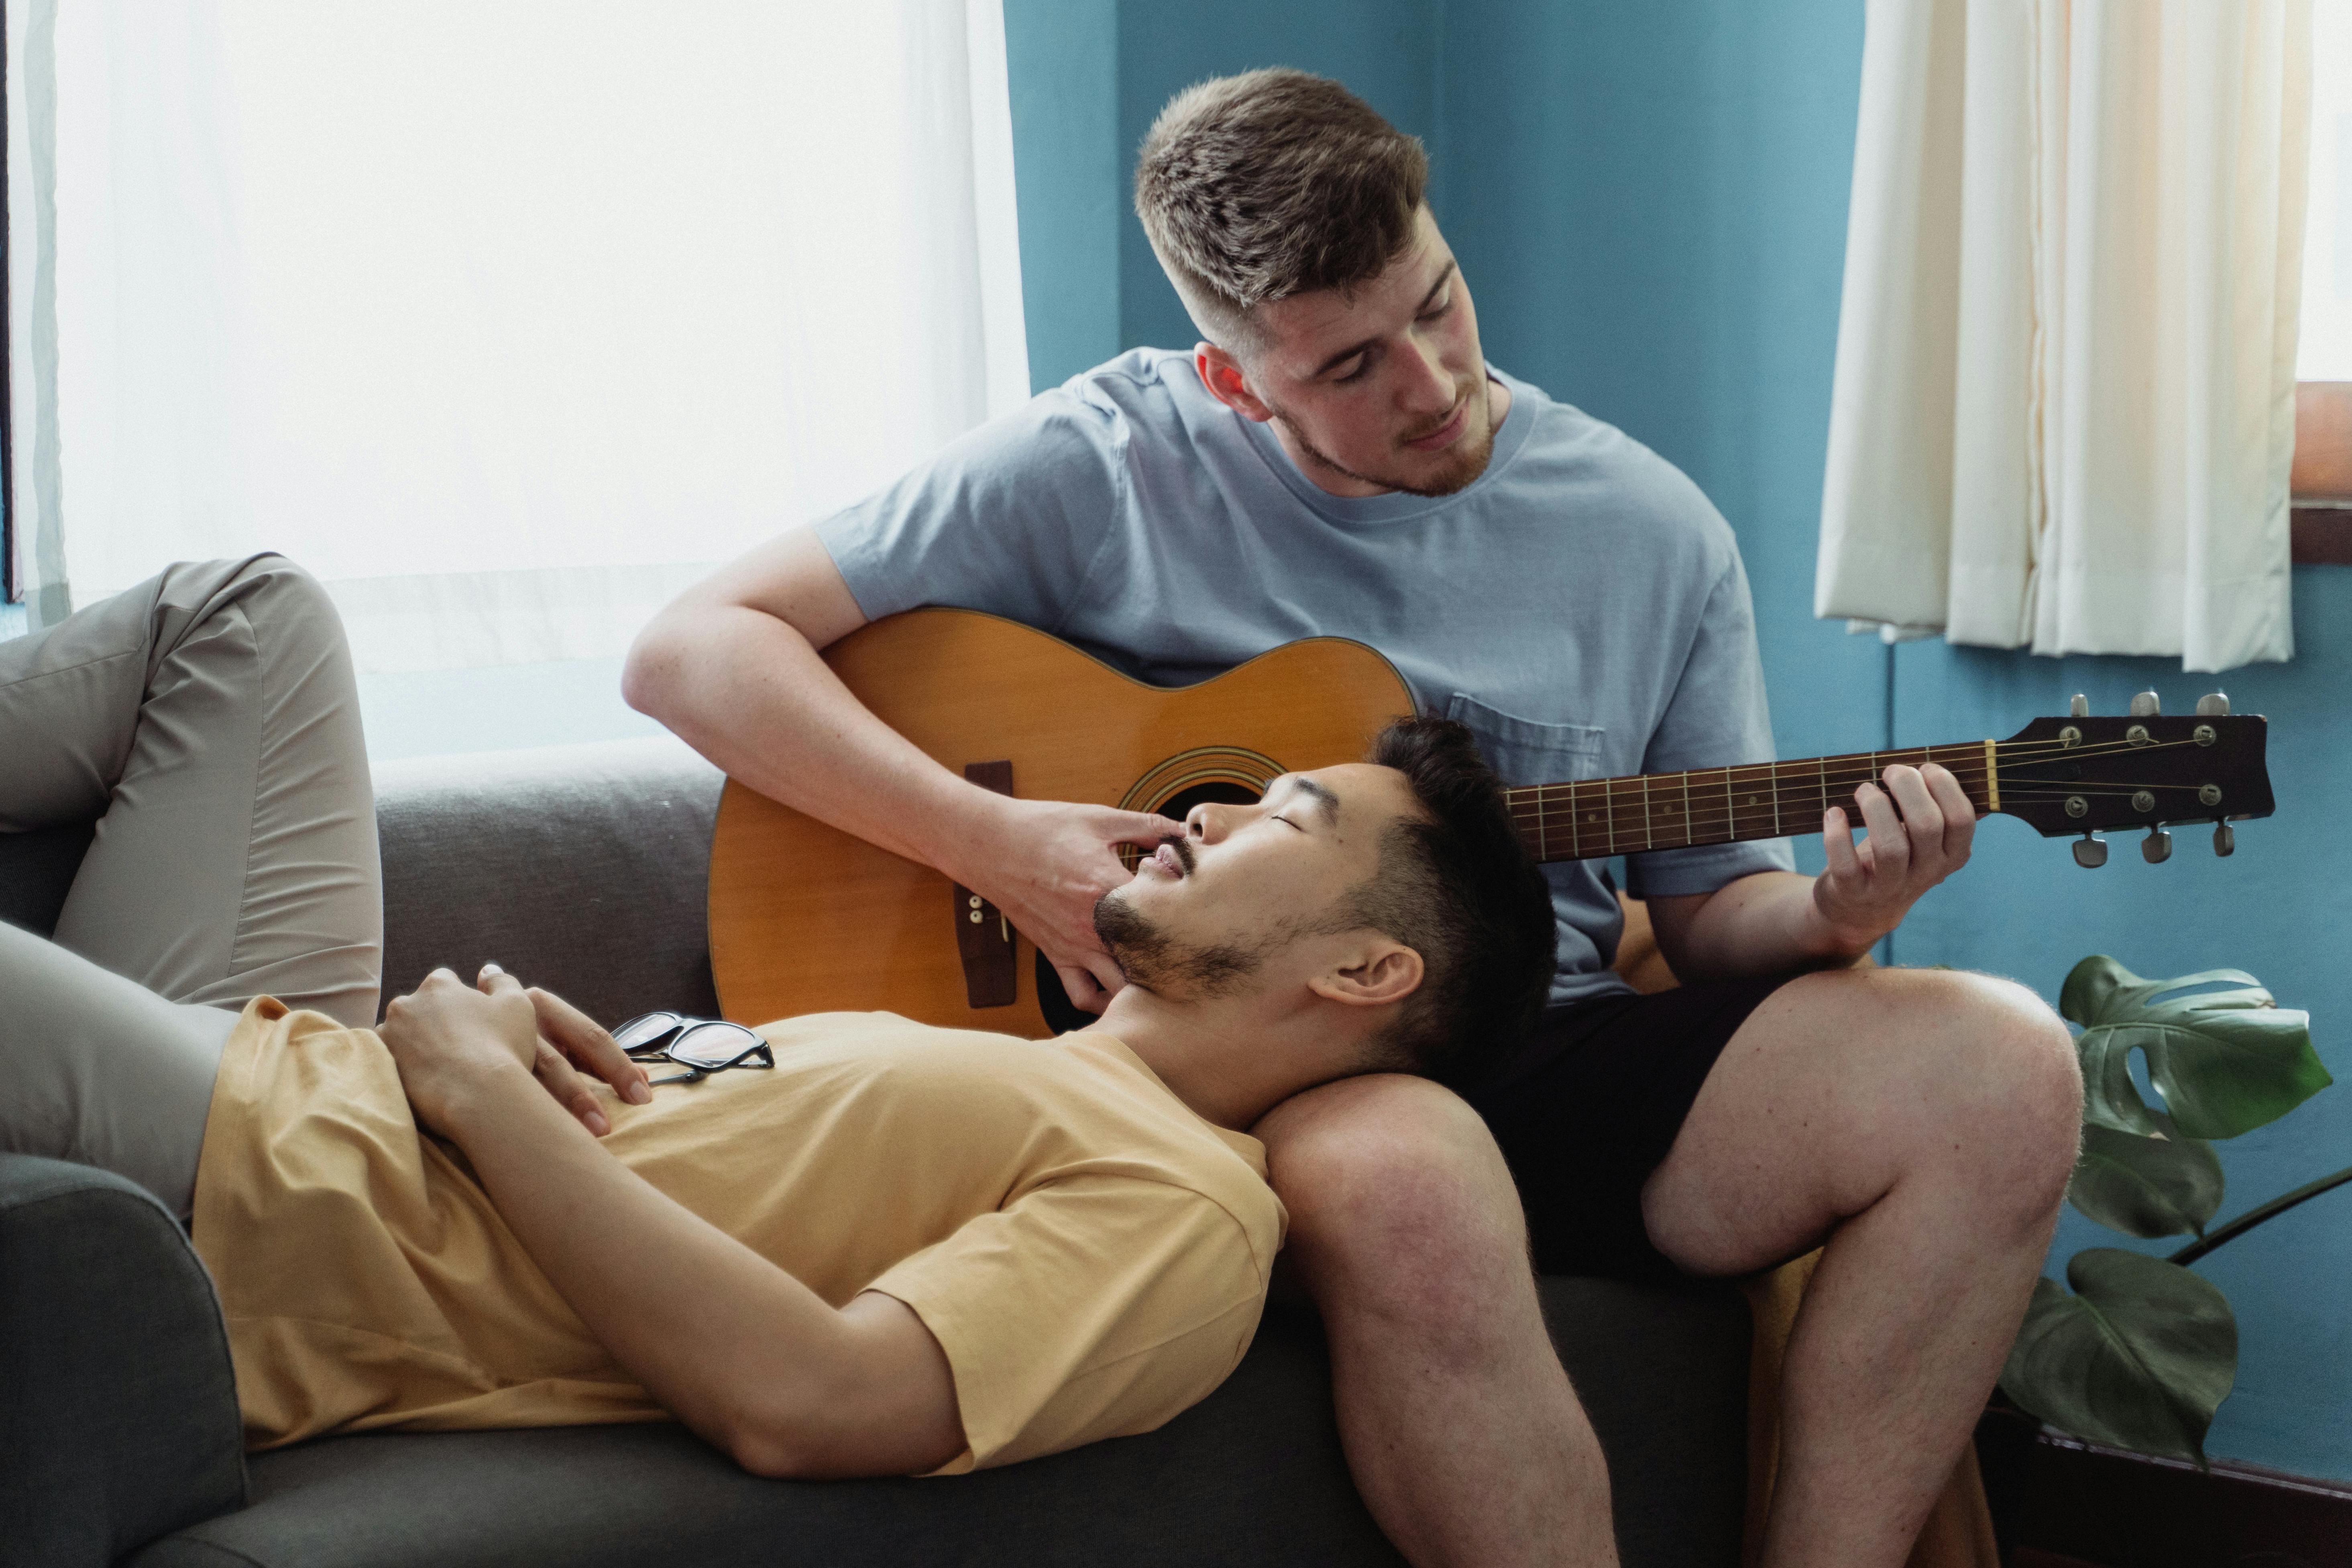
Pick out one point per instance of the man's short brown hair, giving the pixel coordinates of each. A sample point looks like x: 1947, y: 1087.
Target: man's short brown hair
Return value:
x: 1273, y: 182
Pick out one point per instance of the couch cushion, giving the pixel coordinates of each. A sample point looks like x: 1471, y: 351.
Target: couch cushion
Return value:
x: 580, y: 868
x: 1252, y: 1475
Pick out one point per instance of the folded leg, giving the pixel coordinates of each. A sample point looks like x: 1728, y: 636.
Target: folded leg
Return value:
x: 208, y: 722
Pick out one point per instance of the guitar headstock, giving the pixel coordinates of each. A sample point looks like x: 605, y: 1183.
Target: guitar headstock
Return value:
x: 2082, y: 774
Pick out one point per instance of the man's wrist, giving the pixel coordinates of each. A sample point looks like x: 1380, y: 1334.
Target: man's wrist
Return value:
x: 965, y: 831
x: 481, y: 1099
x: 1823, y: 938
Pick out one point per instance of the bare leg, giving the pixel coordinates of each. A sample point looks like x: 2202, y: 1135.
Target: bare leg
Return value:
x: 1461, y: 1430
x: 1926, y: 1122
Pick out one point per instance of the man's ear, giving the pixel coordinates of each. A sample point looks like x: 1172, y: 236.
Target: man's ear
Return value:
x: 1378, y: 973
x: 1223, y: 374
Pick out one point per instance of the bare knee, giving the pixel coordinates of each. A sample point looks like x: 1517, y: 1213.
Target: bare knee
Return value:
x: 1399, y: 1200
x: 2006, y: 1092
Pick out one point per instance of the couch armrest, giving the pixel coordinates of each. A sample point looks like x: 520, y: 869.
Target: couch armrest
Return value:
x: 120, y: 1421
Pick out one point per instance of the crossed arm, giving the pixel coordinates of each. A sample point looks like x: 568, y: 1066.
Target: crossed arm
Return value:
x: 743, y: 1352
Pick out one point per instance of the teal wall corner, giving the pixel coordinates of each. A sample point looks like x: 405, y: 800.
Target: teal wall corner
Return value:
x: 1069, y: 180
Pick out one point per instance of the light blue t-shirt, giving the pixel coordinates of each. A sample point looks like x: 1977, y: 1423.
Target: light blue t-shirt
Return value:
x: 1580, y: 607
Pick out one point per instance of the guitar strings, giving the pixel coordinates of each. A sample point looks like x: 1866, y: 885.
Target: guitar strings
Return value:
x: 1533, y: 806
x: 1570, y: 792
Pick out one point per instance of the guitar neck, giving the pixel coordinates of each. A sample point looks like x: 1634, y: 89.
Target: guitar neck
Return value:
x: 1587, y: 820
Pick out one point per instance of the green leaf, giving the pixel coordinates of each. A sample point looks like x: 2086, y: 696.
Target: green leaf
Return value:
x: 2225, y: 1061
x: 2139, y: 1356
x: 2146, y: 1186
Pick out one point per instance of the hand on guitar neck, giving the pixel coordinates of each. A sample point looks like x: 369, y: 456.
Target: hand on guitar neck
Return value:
x: 1045, y: 864
x: 1869, y: 886
x: 1919, y: 822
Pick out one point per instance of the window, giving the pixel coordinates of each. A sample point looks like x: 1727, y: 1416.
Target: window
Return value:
x: 2323, y: 433
x: 507, y: 318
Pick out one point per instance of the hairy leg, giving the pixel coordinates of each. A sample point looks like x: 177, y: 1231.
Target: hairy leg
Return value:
x: 1926, y: 1122
x: 1461, y: 1430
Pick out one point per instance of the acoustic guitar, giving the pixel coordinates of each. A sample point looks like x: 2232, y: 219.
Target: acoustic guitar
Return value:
x: 805, y: 918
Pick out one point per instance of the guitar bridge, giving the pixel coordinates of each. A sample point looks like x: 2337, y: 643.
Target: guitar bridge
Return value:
x: 983, y: 936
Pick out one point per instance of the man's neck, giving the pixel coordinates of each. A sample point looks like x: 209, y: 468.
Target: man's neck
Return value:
x: 1230, y: 1064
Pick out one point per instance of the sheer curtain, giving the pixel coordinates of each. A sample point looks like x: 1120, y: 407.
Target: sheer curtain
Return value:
x: 2064, y: 408
x: 506, y: 317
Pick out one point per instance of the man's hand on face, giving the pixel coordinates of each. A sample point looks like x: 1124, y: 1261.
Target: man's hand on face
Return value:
x: 446, y: 1037
x: 1869, y: 887
x: 1045, y: 864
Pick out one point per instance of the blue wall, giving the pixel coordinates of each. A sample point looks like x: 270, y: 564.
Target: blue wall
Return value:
x: 1649, y: 203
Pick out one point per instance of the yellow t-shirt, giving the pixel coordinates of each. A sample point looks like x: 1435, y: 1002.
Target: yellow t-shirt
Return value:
x: 1091, y: 1254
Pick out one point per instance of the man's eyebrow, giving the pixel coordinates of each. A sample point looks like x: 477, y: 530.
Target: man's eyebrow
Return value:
x: 1325, y: 801
x: 1354, y: 349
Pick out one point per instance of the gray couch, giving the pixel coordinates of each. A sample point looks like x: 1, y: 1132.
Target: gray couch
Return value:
x: 582, y: 869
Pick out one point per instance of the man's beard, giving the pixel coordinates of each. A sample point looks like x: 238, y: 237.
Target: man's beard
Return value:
x: 1470, y: 458
x: 1161, y: 963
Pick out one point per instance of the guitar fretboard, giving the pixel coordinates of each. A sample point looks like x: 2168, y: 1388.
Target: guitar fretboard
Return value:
x: 1589, y: 819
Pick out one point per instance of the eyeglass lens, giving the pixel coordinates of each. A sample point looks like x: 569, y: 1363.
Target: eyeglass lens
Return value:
x: 713, y: 1045
x: 647, y: 1029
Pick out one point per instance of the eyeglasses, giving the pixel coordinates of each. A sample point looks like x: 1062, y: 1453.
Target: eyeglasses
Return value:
x: 701, y: 1046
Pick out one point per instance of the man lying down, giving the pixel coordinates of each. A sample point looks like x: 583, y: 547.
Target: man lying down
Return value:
x: 903, y: 1249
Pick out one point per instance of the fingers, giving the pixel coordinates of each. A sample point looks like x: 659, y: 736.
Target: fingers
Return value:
x: 590, y: 1043
x: 1837, y: 837
x: 1960, y: 813
x: 1923, y: 819
x: 493, y: 981
x: 1084, y: 990
x: 1141, y: 827
x: 1890, y: 847
x: 570, y: 1090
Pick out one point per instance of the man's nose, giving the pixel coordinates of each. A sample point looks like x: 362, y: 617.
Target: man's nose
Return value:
x: 1206, y: 822
x: 1431, y: 389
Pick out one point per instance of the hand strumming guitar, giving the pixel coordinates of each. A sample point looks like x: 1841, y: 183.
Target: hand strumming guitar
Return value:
x: 1045, y: 864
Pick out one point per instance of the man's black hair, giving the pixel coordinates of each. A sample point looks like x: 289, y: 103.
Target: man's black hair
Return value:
x: 1458, y: 887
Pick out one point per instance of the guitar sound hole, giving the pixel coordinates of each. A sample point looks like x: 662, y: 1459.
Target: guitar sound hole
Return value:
x: 1062, y: 1015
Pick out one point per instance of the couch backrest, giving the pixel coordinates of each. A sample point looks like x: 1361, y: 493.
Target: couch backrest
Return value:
x: 580, y: 868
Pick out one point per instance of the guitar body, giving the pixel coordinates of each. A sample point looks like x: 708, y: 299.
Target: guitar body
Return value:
x: 807, y: 919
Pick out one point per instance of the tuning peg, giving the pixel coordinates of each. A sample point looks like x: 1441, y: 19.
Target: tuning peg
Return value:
x: 2146, y: 705
x: 2213, y: 705
x: 2157, y: 847
x: 2078, y: 707
x: 2090, y: 852
x: 2225, y: 840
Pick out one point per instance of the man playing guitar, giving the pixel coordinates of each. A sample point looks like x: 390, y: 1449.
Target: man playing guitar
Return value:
x: 1338, y: 457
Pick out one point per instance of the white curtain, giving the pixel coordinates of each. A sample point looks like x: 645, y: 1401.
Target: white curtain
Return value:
x: 506, y: 317
x: 2064, y: 413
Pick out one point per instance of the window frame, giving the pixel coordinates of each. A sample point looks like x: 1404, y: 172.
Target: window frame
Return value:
x: 2322, y: 482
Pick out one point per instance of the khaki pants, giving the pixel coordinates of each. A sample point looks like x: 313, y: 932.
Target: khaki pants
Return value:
x: 207, y: 722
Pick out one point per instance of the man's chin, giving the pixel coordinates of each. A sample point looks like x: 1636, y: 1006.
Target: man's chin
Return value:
x: 1463, y: 462
x: 1443, y: 473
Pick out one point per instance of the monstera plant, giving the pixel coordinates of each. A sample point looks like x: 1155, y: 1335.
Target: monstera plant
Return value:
x: 2141, y: 1351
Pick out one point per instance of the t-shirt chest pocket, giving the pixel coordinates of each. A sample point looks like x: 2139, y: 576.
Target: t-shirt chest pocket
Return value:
x: 1527, y: 750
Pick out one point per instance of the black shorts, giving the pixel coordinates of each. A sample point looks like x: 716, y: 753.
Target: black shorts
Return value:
x: 1589, y: 1106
